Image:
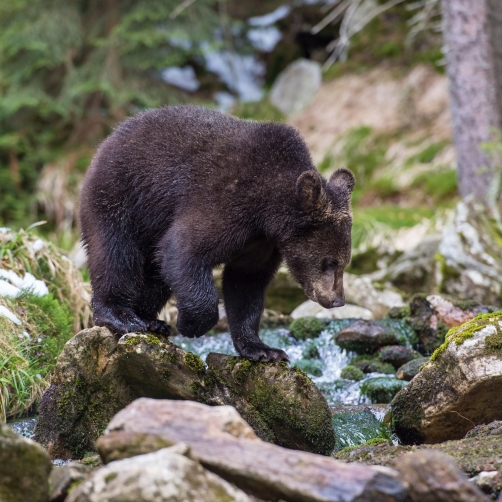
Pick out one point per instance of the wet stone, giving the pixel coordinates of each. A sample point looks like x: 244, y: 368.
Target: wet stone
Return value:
x: 366, y: 337
x: 381, y: 389
x: 411, y: 369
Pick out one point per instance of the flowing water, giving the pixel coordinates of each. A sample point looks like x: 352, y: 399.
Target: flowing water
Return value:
x: 320, y: 357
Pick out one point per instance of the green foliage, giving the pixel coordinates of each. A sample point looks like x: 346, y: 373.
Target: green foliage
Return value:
x: 428, y: 154
x: 259, y: 110
x: 29, y: 352
x: 69, y: 70
x: 439, y: 185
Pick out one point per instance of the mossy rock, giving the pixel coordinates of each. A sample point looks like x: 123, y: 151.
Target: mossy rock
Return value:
x: 372, y: 364
x: 308, y: 327
x: 352, y: 373
x: 458, y: 389
x: 97, y: 375
x: 411, y: 369
x: 310, y: 366
x: 281, y: 403
x: 381, y: 389
x: 24, y: 468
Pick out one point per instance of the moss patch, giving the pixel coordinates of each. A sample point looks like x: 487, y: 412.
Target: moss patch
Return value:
x: 459, y: 334
x: 307, y: 327
x: 352, y: 373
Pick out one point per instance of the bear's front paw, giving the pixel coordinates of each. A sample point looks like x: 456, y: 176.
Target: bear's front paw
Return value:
x: 195, y: 327
x: 159, y: 327
x: 260, y: 352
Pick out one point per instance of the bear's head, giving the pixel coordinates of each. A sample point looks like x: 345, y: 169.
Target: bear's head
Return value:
x: 320, y: 248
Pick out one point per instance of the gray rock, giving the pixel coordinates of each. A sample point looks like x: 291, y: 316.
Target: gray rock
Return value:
x: 365, y: 337
x: 348, y: 311
x: 411, y: 369
x: 162, y: 476
x: 432, y: 476
x: 397, y: 355
x: 487, y: 481
x: 24, y: 468
x: 296, y: 85
x: 67, y: 477
x: 281, y: 404
x: 259, y: 468
x: 459, y: 387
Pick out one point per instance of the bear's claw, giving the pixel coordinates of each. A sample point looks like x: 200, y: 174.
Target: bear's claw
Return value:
x: 262, y: 353
x: 159, y: 327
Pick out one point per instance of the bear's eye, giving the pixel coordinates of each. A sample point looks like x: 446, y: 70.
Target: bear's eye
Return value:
x: 329, y: 264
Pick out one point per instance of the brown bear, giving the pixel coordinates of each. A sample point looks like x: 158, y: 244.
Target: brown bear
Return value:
x: 176, y: 191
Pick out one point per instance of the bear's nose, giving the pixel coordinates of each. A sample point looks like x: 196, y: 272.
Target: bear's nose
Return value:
x: 338, y: 302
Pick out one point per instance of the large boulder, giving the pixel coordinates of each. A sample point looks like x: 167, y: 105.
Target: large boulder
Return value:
x: 223, y: 443
x: 86, y: 390
x: 98, y: 375
x: 282, y: 405
x: 24, y: 468
x: 166, y: 475
x: 458, y: 389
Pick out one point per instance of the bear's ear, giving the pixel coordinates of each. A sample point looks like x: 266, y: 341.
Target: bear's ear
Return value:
x: 342, y: 179
x: 308, y: 189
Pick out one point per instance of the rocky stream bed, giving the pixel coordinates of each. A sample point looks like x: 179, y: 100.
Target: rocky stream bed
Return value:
x: 368, y: 410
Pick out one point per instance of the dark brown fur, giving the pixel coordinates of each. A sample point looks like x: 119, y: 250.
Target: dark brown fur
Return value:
x: 176, y: 191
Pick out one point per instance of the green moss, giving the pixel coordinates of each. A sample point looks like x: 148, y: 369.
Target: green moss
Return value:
x: 194, y: 362
x: 152, y: 339
x: 352, y: 373
x: 459, y: 334
x: 74, y: 485
x: 307, y: 327
x: 371, y: 442
x: 493, y: 343
x: 381, y: 389
x: 110, y: 477
x: 132, y: 340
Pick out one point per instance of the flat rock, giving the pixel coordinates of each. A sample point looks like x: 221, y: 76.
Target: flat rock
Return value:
x: 432, y: 476
x: 162, y: 476
x: 348, y: 311
x: 365, y: 337
x: 24, y: 468
x: 458, y: 389
x: 257, y: 467
x: 281, y: 403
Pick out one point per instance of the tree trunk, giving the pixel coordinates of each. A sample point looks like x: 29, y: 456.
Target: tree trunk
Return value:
x: 473, y: 36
